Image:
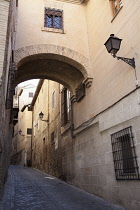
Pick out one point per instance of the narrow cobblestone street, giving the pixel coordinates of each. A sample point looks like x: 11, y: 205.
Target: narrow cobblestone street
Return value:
x: 30, y: 189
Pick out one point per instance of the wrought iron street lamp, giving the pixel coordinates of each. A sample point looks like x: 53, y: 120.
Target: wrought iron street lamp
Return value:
x: 41, y: 115
x: 113, y: 46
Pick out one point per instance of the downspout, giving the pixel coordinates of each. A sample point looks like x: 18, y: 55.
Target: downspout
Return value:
x: 72, y: 121
x: 48, y: 168
x: 32, y: 136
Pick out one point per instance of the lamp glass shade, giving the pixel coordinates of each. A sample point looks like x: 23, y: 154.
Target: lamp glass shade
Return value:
x: 113, y: 44
x: 41, y: 115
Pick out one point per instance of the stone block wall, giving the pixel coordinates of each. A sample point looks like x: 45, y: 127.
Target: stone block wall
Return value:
x: 87, y: 160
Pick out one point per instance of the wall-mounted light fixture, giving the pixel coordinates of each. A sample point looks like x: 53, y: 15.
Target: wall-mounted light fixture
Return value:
x: 20, y: 133
x: 113, y: 46
x: 41, y: 115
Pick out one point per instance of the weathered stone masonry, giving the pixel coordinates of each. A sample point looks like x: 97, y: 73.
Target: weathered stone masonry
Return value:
x: 7, y: 21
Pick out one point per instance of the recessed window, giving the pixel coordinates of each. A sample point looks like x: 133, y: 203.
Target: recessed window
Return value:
x: 116, y: 6
x: 53, y: 18
x: 80, y: 92
x: 29, y: 131
x: 124, y: 155
x: 52, y: 138
x: 16, y: 3
x: 53, y: 99
x: 30, y: 95
x: 65, y: 106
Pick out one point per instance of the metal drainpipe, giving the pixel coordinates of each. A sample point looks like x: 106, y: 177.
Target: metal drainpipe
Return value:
x: 72, y: 123
x: 32, y: 136
x: 48, y: 125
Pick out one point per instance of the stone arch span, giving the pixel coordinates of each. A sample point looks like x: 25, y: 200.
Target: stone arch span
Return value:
x: 52, y: 62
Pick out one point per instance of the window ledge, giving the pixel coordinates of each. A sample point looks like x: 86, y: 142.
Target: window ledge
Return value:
x: 65, y: 128
x: 54, y: 30
x: 117, y: 13
x: 127, y: 177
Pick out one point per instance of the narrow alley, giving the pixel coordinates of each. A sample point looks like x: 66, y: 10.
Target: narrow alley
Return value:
x: 30, y: 189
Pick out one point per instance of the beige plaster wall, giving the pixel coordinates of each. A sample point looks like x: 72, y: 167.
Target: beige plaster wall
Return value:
x: 30, y: 27
x: 112, y: 78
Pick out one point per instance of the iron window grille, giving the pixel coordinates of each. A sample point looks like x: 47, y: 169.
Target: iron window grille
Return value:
x: 53, y: 18
x: 65, y: 107
x: 124, y: 155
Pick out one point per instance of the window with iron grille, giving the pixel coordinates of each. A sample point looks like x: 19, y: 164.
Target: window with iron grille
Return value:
x: 65, y: 107
x: 124, y: 155
x: 29, y: 131
x: 53, y: 18
x: 16, y: 3
x: 116, y: 6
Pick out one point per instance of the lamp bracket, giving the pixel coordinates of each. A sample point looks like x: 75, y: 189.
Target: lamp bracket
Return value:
x: 129, y: 61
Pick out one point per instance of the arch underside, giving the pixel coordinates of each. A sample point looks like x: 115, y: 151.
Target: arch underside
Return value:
x: 54, y: 70
x: 51, y: 62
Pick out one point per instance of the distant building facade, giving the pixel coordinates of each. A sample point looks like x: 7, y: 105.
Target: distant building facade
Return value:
x: 46, y: 135
x: 98, y: 134
x: 22, y: 135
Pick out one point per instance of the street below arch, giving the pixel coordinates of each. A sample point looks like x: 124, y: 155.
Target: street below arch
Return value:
x: 28, y: 188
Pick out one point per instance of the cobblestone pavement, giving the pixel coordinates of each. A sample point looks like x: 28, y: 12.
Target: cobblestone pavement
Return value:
x: 30, y: 189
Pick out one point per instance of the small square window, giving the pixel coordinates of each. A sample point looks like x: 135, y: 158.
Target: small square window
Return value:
x: 29, y: 131
x: 31, y: 95
x: 124, y: 155
x: 53, y: 18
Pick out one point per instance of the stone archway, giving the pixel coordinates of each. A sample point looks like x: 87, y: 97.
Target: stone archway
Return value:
x: 53, y: 62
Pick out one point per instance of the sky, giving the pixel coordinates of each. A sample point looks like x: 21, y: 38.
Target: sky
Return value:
x: 33, y: 82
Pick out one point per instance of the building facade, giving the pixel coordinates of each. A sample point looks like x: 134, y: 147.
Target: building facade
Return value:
x: 7, y: 42
x: 46, y: 136
x: 64, y: 41
x: 22, y: 134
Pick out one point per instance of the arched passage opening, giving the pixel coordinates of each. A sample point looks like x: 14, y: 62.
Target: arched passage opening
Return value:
x: 51, y: 62
x: 55, y: 63
x: 44, y: 66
